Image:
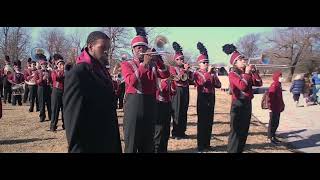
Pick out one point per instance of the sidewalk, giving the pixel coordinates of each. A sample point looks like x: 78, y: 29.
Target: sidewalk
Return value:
x: 299, y: 126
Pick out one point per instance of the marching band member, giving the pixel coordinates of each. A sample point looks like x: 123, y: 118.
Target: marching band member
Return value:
x: 15, y: 79
x: 7, y: 71
x: 180, y: 101
x: 165, y: 91
x: 89, y: 112
x: 43, y: 79
x: 26, y: 73
x: 57, y: 77
x: 242, y: 77
x: 33, y: 87
x: 206, y: 81
x: 140, y: 75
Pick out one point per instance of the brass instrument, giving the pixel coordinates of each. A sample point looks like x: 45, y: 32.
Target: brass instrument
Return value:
x: 265, y: 63
x: 184, y: 77
x: 36, y: 51
x: 181, y: 77
x: 32, y: 81
x: 159, y: 45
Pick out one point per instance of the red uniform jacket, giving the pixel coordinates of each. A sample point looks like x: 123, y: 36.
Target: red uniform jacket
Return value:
x: 30, y: 76
x: 16, y: 78
x: 276, y: 103
x: 166, y: 90
x: 241, y: 84
x: 206, y: 82
x: 26, y: 73
x: 140, y: 79
x: 39, y: 78
x: 177, y: 71
x: 57, y: 77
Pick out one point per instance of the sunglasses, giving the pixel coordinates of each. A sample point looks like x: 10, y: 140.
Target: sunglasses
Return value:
x: 205, y: 62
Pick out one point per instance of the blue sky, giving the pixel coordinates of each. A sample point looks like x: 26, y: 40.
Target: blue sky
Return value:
x: 212, y: 37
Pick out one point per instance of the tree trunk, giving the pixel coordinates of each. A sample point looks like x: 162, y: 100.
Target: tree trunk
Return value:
x: 292, y: 69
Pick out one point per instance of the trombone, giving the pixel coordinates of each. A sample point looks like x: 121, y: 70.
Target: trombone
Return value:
x: 266, y: 63
x: 159, y: 45
x: 156, y: 53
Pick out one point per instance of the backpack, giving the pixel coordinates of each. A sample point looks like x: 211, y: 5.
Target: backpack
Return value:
x: 265, y: 101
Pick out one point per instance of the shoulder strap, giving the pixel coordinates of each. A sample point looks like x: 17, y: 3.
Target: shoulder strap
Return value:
x: 135, y: 69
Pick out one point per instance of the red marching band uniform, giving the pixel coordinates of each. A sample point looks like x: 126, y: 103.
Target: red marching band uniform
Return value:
x: 166, y: 89
x: 180, y: 101
x: 16, y: 78
x: 241, y: 84
x: 57, y: 77
x: 44, y: 91
x: 29, y: 76
x: 26, y: 72
x: 140, y: 100
x: 206, y: 82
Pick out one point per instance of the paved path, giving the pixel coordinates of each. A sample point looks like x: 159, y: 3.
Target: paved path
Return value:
x: 300, y: 126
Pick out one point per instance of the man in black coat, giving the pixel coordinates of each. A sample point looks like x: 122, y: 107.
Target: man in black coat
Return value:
x: 90, y: 115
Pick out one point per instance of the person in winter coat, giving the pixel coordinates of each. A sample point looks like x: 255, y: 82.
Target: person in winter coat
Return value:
x: 316, y: 86
x: 306, y: 89
x: 297, y: 88
x: 276, y: 106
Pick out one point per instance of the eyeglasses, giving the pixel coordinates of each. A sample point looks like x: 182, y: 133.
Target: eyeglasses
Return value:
x: 205, y: 62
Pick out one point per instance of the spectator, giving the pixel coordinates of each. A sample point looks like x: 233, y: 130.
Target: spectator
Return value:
x: 297, y: 88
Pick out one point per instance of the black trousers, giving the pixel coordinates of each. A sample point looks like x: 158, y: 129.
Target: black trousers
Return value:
x: 1, y: 89
x: 26, y: 93
x: 121, y: 95
x: 16, y: 98
x: 139, y: 123
x: 33, y: 89
x: 273, y: 124
x: 205, y: 112
x: 296, y: 97
x: 56, y: 97
x: 44, y: 96
x: 162, y: 127
x: 240, y: 116
x: 7, y: 94
x: 180, y: 103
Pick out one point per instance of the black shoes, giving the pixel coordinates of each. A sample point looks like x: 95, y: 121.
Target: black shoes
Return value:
x: 274, y: 140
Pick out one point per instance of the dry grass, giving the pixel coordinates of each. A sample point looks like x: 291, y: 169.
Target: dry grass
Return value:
x: 21, y: 131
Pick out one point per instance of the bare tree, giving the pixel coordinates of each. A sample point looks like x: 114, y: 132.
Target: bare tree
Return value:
x: 249, y: 45
x: 4, y: 40
x: 15, y: 42
x: 295, y: 44
x: 75, y: 40
x: 119, y: 37
x: 55, y: 41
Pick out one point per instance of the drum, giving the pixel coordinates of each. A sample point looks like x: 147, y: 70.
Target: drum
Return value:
x: 17, y: 89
